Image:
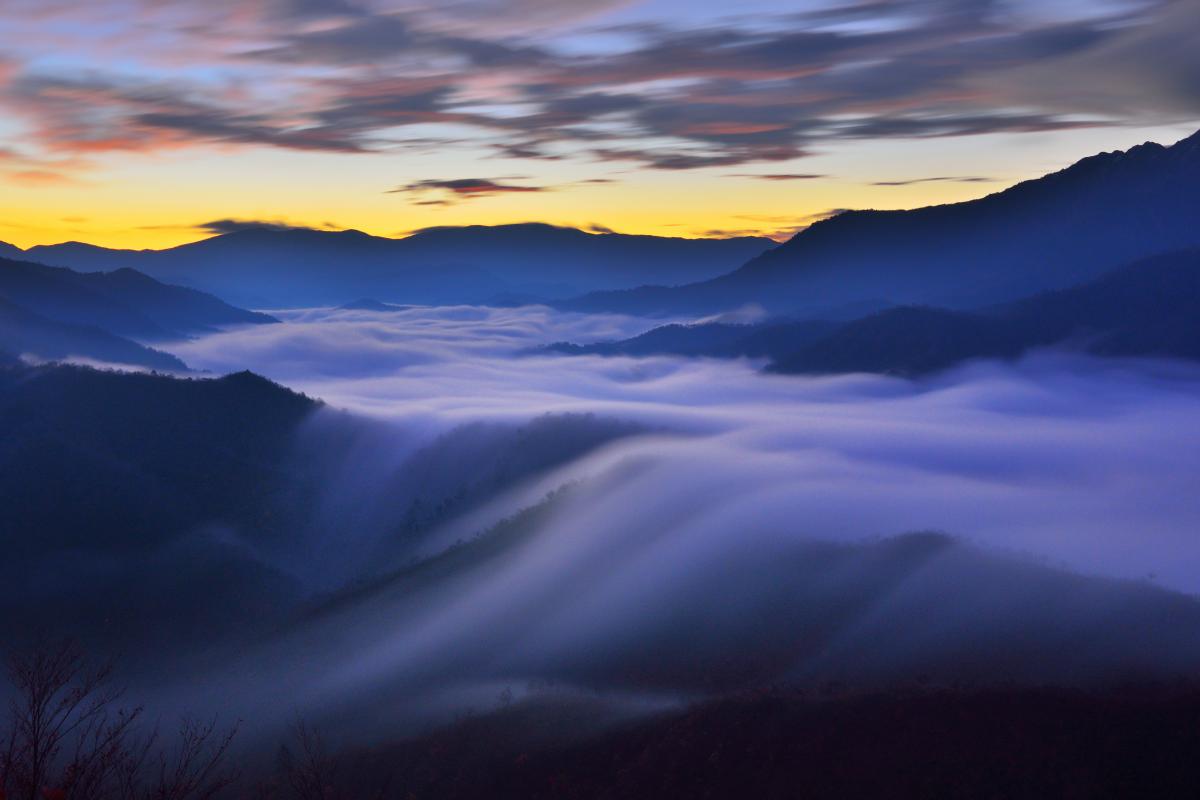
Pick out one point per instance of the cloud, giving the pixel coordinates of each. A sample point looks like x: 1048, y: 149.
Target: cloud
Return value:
x: 97, y: 115
x: 707, y: 93
x: 232, y: 225
x: 782, y: 227
x: 221, y: 226
x: 460, y: 189
x: 17, y: 167
x: 41, y: 177
x: 634, y: 566
x: 780, y: 176
x: 383, y: 38
x: 939, y: 179
x: 457, y: 363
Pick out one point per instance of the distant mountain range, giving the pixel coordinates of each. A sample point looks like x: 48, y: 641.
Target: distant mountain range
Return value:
x: 55, y: 313
x: 927, y: 272
x: 1149, y: 308
x: 507, y: 264
x: 1051, y: 233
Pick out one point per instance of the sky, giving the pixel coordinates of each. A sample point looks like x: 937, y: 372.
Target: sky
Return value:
x: 138, y: 123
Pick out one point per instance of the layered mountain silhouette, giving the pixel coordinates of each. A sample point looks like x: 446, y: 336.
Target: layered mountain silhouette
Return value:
x: 53, y: 313
x: 23, y: 333
x: 1149, y: 308
x: 509, y: 263
x: 1050, y: 233
x: 123, y: 302
x: 1146, y: 309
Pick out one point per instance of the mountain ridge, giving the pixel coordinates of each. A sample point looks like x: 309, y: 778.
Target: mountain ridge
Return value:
x: 1145, y: 309
x: 23, y: 332
x: 263, y: 266
x: 124, y: 302
x: 1042, y: 234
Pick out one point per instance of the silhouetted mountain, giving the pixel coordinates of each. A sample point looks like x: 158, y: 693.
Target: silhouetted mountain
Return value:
x: 124, y: 302
x: 1050, y: 233
x: 1149, y: 308
x: 175, y: 308
x: 441, y: 265
x: 911, y: 743
x: 10, y: 251
x: 717, y: 340
x: 25, y: 333
x: 909, y: 340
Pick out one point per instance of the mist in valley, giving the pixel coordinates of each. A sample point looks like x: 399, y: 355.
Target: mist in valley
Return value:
x: 492, y: 523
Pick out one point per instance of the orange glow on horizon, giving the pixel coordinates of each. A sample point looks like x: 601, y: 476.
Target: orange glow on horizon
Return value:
x: 161, y: 201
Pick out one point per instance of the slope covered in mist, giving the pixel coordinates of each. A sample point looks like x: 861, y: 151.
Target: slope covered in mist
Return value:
x: 1147, y: 308
x: 123, y: 302
x: 205, y: 507
x: 23, y: 333
x: 641, y: 531
x: 53, y: 313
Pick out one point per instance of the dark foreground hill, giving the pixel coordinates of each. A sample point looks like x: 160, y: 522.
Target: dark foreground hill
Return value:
x: 192, y: 510
x: 1054, y: 232
x: 906, y: 744
x: 131, y: 504
x: 107, y: 460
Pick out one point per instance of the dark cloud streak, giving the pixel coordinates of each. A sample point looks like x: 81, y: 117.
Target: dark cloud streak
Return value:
x: 459, y: 189
x: 937, y: 179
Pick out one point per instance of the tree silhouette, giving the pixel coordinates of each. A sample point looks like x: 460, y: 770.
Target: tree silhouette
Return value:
x: 69, y: 738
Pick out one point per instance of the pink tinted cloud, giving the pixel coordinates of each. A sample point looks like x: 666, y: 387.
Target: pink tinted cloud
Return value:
x: 344, y: 76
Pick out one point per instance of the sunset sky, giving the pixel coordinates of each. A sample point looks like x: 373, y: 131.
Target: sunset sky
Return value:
x: 149, y: 123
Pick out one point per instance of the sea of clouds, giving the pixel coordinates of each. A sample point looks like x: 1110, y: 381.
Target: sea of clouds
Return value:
x: 1085, y: 462
x: 744, y: 529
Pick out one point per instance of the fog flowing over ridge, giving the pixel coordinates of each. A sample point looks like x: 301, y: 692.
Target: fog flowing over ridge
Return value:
x: 742, y: 529
x: 1116, y: 436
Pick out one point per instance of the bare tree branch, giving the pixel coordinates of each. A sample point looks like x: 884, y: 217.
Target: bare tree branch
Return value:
x: 68, y: 737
